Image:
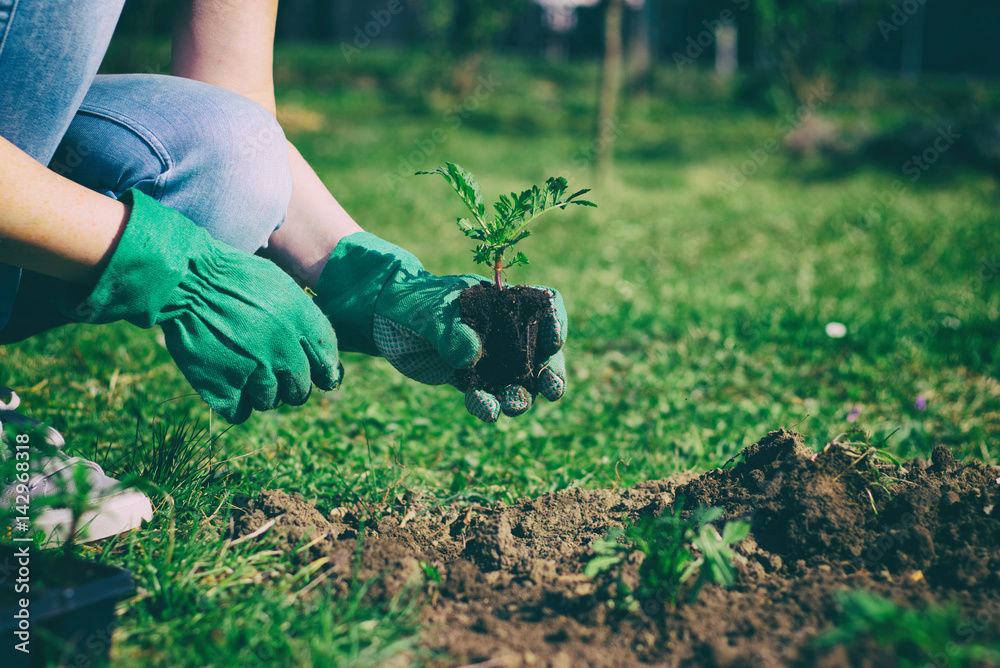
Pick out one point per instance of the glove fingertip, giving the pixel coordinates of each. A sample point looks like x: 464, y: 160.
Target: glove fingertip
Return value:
x: 515, y: 400
x: 551, y: 385
x: 325, y: 369
x: 328, y: 376
x: 338, y: 377
x: 294, y: 390
x: 552, y: 334
x: 483, y: 405
x: 237, y: 414
x: 467, y: 347
x: 457, y: 344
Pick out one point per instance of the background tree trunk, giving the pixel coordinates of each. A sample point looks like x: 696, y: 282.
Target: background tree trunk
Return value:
x: 641, y: 48
x: 604, y: 136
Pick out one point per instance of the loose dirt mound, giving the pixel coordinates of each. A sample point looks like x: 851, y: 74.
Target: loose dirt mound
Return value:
x: 512, y: 589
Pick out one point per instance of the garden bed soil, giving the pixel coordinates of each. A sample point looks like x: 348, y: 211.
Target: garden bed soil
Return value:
x: 507, y: 322
x: 512, y: 590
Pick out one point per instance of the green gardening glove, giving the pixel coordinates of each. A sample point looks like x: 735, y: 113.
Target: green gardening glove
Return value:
x: 381, y: 301
x: 242, y: 332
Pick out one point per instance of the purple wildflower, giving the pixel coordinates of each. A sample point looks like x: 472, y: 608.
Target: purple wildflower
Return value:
x: 921, y: 402
x: 853, y: 415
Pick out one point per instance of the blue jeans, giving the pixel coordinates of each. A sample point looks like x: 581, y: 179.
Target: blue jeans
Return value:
x: 215, y: 156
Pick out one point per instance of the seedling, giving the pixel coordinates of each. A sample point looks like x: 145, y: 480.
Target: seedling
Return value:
x: 674, y: 550
x: 501, y: 231
x: 914, y: 636
x: 18, y: 516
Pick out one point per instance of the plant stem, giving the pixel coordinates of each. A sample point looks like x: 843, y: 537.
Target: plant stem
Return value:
x: 497, y: 268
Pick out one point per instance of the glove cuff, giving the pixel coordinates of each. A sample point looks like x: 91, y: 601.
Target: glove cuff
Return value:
x: 146, y: 267
x: 358, y: 270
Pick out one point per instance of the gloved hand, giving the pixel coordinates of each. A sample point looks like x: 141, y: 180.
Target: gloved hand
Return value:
x: 381, y: 301
x: 242, y: 332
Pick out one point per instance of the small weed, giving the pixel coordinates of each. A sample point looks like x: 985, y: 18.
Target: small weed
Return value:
x: 913, y: 636
x: 169, y: 454
x: 376, y: 493
x: 863, y: 447
x: 864, y: 453
x: 673, y: 550
x: 430, y: 572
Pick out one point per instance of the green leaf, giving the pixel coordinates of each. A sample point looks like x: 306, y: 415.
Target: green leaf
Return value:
x: 513, y: 213
x: 690, y: 569
x: 481, y: 256
x: 526, y: 233
x: 734, y: 532
x: 601, y: 564
x: 465, y: 184
x: 503, y: 207
x: 430, y: 572
x: 607, y: 545
x: 519, y: 259
x: 468, y: 188
x: 722, y: 573
x: 703, y: 516
x: 458, y: 482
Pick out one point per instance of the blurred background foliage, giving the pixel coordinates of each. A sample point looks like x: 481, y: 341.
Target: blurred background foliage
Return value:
x: 905, y: 65
x: 772, y: 55
x: 791, y: 41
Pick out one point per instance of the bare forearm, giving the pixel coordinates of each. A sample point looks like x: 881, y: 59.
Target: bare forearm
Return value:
x: 50, y: 224
x: 315, y: 224
x: 229, y: 44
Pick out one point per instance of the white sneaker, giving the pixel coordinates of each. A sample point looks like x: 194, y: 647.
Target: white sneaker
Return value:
x: 114, y: 510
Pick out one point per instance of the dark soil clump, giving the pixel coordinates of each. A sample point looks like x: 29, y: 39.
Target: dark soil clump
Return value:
x: 507, y: 322
x: 512, y: 590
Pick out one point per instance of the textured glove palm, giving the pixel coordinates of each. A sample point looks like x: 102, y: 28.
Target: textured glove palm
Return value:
x: 242, y: 332
x: 381, y: 301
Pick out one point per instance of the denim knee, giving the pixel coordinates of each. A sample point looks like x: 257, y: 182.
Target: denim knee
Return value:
x: 214, y: 155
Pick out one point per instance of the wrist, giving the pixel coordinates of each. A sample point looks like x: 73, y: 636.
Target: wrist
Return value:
x: 143, y: 270
x: 356, y: 273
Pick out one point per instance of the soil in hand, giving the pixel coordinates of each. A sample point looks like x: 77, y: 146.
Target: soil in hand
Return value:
x: 512, y: 590
x: 507, y: 322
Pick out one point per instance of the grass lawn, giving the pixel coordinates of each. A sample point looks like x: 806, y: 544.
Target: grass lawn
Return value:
x: 697, y: 324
